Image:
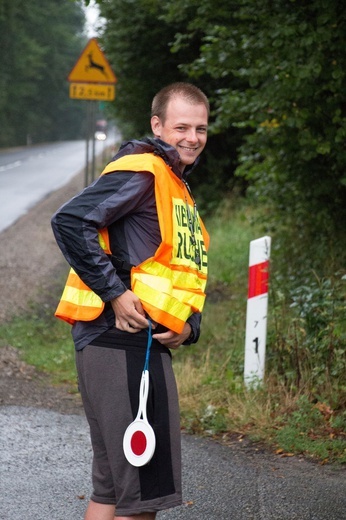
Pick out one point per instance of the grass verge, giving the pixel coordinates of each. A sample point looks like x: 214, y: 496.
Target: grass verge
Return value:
x: 43, y: 341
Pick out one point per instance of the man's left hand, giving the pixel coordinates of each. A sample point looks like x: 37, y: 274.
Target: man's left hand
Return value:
x: 172, y: 339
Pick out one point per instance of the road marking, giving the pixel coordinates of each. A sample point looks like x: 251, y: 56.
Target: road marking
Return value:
x: 10, y: 166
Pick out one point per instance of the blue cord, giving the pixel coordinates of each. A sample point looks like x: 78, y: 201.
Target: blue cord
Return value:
x: 150, y: 339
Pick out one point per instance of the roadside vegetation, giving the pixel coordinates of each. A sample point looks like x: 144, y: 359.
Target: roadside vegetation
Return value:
x: 299, y: 409
x: 301, y: 406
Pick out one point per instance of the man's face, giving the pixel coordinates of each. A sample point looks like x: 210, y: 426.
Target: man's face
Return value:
x: 185, y: 128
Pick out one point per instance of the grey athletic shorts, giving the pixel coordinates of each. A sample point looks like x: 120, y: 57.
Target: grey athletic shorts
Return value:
x: 109, y: 380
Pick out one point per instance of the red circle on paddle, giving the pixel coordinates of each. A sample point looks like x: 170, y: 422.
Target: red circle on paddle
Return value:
x: 138, y: 443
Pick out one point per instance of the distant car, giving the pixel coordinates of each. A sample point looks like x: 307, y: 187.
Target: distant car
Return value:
x: 100, y: 136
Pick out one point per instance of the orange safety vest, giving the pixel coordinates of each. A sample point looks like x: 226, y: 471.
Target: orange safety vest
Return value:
x: 170, y: 285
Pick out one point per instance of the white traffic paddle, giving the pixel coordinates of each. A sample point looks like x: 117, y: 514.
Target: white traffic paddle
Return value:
x: 139, y: 439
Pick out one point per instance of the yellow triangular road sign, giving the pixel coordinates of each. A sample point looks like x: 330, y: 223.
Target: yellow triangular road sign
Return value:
x: 92, y: 66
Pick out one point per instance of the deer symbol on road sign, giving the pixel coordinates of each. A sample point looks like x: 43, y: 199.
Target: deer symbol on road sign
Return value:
x: 94, y: 65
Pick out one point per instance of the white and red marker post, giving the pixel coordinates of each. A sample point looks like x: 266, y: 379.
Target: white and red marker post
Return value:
x: 256, y: 313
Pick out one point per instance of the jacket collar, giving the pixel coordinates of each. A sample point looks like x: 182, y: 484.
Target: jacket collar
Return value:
x: 154, y: 145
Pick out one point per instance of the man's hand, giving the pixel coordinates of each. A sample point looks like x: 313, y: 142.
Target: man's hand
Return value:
x: 173, y: 340
x: 129, y: 313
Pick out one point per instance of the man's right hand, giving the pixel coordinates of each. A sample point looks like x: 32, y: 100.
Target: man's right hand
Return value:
x: 129, y: 313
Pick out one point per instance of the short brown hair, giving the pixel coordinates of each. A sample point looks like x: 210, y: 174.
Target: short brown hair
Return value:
x: 189, y: 92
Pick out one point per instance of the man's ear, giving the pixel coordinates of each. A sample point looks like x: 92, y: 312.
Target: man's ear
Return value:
x: 156, y: 126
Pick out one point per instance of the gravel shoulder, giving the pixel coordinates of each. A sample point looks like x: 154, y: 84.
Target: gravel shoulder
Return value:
x: 30, y: 261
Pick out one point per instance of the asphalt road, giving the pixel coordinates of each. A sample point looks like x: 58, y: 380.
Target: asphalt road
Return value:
x: 30, y: 173
x: 45, y: 473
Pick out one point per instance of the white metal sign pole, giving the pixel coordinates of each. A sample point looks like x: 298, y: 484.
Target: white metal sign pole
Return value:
x: 256, y: 314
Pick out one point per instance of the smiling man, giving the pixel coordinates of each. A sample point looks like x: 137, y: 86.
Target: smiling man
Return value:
x: 138, y: 255
x: 181, y: 123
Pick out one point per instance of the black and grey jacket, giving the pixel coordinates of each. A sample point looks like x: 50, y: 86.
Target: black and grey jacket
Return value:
x: 124, y: 202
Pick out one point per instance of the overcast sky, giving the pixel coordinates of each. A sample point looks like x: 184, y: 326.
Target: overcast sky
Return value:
x: 92, y: 19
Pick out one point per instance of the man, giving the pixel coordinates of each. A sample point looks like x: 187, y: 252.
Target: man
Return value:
x: 137, y: 249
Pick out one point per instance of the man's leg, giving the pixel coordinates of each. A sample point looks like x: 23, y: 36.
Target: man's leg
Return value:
x: 97, y: 511
x: 142, y: 516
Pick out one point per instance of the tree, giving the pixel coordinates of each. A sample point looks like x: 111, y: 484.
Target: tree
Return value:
x: 281, y: 68
x: 39, y: 42
x: 275, y: 74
